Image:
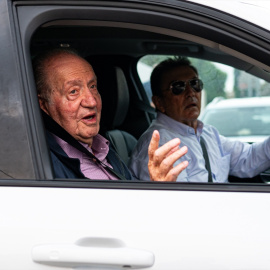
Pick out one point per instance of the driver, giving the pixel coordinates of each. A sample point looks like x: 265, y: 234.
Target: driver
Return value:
x: 176, y: 89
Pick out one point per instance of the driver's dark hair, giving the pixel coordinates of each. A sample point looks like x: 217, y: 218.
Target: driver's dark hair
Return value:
x: 165, y: 66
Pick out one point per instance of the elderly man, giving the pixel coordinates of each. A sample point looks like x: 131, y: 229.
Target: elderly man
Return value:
x: 71, y: 105
x: 176, y: 89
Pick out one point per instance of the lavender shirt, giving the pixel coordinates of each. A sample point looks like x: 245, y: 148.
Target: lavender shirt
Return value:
x: 100, y: 148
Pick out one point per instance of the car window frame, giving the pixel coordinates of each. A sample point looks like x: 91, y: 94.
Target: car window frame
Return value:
x: 36, y: 130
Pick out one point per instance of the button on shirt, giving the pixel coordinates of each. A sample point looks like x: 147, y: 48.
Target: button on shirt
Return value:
x: 226, y: 157
x: 89, y: 168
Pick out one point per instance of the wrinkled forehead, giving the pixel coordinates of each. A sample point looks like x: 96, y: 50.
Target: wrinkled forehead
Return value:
x: 66, y: 67
x: 69, y: 61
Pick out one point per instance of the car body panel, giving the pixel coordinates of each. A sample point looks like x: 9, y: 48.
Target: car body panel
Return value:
x: 12, y: 118
x: 184, y: 230
x: 185, y: 226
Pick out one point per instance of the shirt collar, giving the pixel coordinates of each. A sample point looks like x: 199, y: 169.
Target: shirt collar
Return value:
x: 179, y: 127
x: 100, y: 147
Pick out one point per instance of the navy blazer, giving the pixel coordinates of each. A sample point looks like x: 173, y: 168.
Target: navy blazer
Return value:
x: 66, y: 167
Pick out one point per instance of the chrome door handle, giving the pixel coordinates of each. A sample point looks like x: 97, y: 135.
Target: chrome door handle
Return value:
x: 93, y: 252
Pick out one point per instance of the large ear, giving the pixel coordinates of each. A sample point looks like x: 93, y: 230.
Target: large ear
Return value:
x: 158, y: 103
x: 43, y: 104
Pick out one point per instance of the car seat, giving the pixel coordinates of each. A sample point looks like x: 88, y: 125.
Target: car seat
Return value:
x: 114, y: 92
x: 122, y: 141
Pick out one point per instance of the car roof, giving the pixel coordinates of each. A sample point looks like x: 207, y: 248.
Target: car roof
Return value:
x: 220, y: 103
x: 254, y: 11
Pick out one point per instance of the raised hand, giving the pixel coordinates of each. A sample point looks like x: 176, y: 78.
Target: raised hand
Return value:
x: 161, y: 159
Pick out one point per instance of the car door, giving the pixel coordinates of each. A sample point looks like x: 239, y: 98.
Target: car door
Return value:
x: 51, y: 227
x: 49, y: 223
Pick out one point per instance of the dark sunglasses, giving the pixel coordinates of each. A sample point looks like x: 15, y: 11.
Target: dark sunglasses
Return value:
x: 178, y: 87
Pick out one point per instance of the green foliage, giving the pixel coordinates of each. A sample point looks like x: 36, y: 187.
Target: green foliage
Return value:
x: 153, y: 60
x: 213, y: 78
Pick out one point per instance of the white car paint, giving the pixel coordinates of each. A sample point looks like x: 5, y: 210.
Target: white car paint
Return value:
x: 183, y: 229
x: 255, y: 11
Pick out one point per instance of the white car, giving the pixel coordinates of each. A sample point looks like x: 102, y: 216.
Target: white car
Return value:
x: 48, y: 223
x: 243, y: 119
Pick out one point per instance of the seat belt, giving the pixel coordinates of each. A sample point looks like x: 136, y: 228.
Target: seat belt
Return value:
x: 206, y: 158
x: 143, y: 106
x: 118, y: 142
x: 56, y: 129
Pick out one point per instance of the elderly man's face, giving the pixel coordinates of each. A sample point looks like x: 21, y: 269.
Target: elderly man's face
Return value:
x: 75, y: 102
x: 184, y: 108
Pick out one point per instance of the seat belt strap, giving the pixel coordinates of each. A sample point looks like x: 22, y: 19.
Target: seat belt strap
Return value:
x: 56, y: 129
x: 118, y: 142
x: 206, y: 158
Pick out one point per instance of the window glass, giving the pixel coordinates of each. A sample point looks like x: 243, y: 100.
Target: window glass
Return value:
x: 228, y: 94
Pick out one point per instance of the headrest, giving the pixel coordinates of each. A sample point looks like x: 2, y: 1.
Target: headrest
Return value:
x: 113, y: 88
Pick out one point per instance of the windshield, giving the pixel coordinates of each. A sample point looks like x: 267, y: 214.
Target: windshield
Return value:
x: 249, y: 121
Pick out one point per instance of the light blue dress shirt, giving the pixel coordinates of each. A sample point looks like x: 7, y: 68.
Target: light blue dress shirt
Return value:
x: 226, y: 157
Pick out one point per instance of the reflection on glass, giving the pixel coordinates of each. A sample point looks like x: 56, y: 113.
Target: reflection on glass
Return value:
x: 240, y: 121
x: 245, y: 119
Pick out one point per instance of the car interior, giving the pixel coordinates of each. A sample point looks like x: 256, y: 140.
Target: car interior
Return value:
x: 114, y: 52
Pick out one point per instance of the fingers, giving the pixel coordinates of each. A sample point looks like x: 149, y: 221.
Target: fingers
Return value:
x: 162, y: 159
x: 153, y: 145
x: 174, y: 172
x: 173, y: 150
x: 157, y: 155
x: 171, y: 173
x: 167, y: 163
